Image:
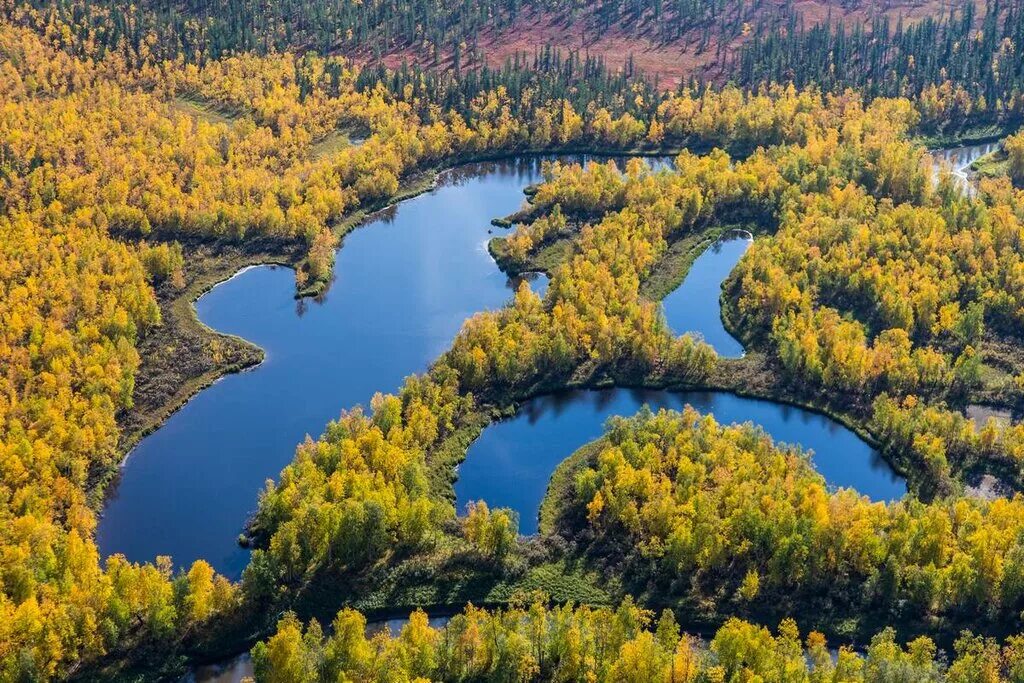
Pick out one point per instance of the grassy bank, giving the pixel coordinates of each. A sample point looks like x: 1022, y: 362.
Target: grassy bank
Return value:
x: 994, y: 165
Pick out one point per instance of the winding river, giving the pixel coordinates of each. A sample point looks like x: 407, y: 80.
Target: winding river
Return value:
x: 405, y: 282
x: 526, y: 448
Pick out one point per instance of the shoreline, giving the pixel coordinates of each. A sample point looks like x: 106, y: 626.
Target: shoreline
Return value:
x: 224, y: 270
x: 418, y: 183
x: 731, y: 376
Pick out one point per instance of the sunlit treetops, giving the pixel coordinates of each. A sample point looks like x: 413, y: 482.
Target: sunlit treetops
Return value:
x: 114, y: 154
x: 964, y: 58
x: 593, y: 316
x: 740, y: 517
x: 625, y: 644
x: 97, y: 156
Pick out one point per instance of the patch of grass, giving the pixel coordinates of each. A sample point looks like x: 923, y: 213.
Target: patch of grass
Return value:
x: 551, y: 256
x: 545, y: 260
x: 332, y: 143
x: 200, y: 109
x: 560, y: 582
x: 670, y: 272
x: 443, y: 460
x: 994, y: 165
x: 994, y: 378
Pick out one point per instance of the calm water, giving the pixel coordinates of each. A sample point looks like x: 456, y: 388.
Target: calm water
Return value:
x: 526, y: 448
x: 983, y: 413
x: 404, y: 284
x: 959, y: 159
x: 694, y: 305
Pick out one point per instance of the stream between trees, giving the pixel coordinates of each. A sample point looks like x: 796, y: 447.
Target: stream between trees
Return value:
x: 959, y: 160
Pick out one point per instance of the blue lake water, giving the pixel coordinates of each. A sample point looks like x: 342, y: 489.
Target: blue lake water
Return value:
x: 404, y: 284
x: 694, y: 305
x: 510, y: 464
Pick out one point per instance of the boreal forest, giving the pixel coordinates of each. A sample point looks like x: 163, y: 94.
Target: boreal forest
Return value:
x: 512, y: 340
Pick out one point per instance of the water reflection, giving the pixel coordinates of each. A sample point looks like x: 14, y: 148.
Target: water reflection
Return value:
x: 510, y: 464
x: 695, y: 306
x: 959, y: 160
x: 403, y: 286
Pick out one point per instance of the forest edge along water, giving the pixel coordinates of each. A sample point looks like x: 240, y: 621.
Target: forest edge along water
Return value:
x: 689, y: 307
x: 403, y: 287
x: 405, y: 282
x: 554, y: 426
x: 527, y: 448
x: 959, y: 160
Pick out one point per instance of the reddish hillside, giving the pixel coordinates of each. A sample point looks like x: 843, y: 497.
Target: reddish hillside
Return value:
x: 671, y: 61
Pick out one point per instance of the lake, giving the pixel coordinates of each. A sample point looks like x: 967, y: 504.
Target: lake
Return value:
x: 404, y: 284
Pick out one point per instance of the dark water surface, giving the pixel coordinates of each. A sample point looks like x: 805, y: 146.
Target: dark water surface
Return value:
x: 512, y: 461
x: 405, y: 282
x: 694, y: 305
